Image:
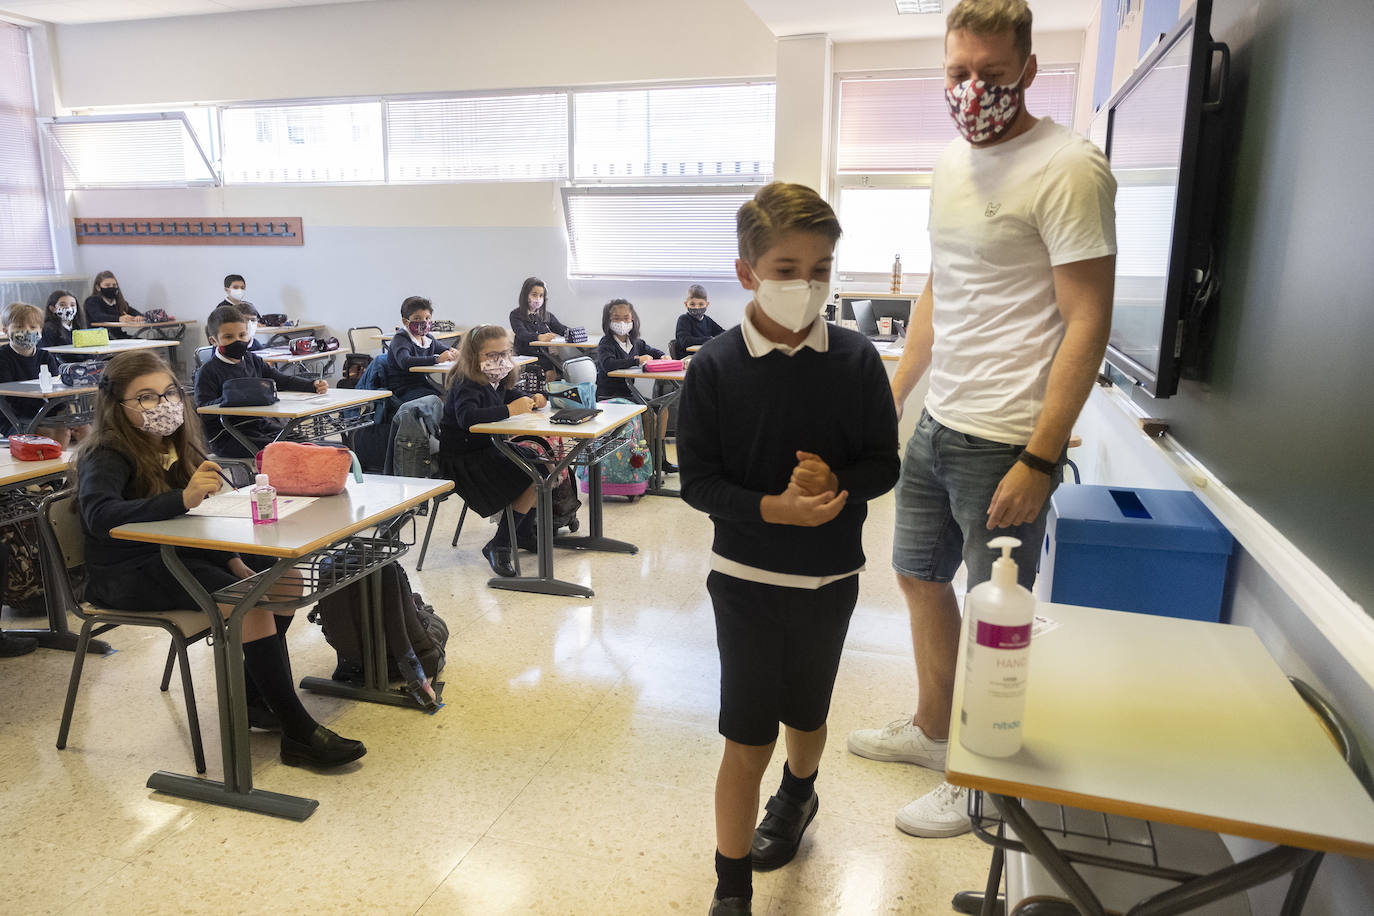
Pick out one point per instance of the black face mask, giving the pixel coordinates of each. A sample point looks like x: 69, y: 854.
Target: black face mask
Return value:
x: 697, y: 313
x: 238, y: 349
x: 110, y: 292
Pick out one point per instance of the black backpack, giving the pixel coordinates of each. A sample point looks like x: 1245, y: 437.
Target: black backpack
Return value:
x: 415, y: 635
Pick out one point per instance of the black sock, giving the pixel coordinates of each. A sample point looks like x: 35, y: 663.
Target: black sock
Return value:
x: 734, y: 877
x: 524, y: 525
x: 796, y: 787
x: 284, y: 624
x: 502, y: 536
x: 265, y: 660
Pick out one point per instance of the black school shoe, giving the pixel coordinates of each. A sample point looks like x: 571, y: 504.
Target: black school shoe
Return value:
x: 324, y: 749
x: 779, y: 835
x: 15, y: 646
x: 730, y: 906
x: 500, y: 559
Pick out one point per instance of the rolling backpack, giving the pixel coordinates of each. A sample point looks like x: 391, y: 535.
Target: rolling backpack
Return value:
x: 626, y: 471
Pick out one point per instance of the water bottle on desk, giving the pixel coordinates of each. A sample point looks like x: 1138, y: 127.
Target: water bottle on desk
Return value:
x: 897, y: 274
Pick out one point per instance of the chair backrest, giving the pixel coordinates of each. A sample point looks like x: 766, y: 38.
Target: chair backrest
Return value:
x: 63, y: 543
x: 580, y: 369
x: 203, y: 355
x: 367, y: 343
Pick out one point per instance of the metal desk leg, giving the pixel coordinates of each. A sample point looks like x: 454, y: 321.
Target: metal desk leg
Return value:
x: 233, y: 430
x: 57, y: 635
x: 236, y: 790
x: 1047, y: 854
x: 595, y: 538
x: 658, y: 440
x: 544, y: 583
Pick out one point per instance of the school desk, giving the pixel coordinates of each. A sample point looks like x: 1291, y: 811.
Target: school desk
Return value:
x: 80, y: 399
x: 330, y: 546
x: 1172, y: 721
x: 309, y: 365
x: 438, y: 370
x: 584, y: 345
x: 162, y: 330
x: 23, y: 487
x: 385, y: 339
x: 113, y: 348
x: 308, y: 417
x: 657, y: 415
x: 277, y: 336
x: 590, y: 442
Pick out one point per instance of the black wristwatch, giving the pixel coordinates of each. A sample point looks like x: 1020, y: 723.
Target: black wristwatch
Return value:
x: 1036, y: 463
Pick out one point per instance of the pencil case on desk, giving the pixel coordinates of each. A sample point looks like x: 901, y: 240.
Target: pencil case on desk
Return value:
x: 90, y: 337
x: 248, y: 392
x: 34, y: 448
x: 80, y: 375
x: 664, y: 365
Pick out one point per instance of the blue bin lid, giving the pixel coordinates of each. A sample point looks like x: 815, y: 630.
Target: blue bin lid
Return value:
x: 1130, y: 517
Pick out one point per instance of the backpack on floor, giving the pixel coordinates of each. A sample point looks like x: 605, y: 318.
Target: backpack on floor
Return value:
x: 565, y: 501
x: 416, y: 636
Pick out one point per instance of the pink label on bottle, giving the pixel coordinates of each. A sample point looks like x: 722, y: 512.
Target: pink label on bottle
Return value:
x: 999, y: 637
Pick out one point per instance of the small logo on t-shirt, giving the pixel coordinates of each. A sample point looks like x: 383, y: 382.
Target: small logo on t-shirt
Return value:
x: 992, y: 209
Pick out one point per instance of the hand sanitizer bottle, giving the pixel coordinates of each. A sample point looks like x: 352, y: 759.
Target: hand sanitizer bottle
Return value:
x: 44, y: 379
x: 264, y: 497
x: 998, y: 615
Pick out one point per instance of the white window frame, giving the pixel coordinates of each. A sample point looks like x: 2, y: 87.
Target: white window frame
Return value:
x: 44, y: 175
x: 134, y: 118
x: 378, y: 100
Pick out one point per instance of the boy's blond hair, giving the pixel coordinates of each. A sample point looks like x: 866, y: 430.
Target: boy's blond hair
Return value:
x: 777, y: 209
x: 989, y: 17
x: 16, y: 312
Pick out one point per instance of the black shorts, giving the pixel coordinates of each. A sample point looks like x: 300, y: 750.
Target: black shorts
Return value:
x: 779, y: 652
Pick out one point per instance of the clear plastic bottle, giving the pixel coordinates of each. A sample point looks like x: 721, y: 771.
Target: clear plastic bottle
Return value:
x: 44, y: 379
x: 264, y: 498
x: 999, y: 614
x: 897, y: 274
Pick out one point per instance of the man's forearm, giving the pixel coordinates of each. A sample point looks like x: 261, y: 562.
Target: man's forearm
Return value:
x: 1072, y: 375
x: 920, y: 338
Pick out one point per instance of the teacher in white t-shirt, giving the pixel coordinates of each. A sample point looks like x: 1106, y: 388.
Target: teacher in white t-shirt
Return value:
x: 1012, y: 326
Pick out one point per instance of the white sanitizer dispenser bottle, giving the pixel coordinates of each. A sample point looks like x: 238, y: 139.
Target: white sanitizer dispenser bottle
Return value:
x: 998, y: 615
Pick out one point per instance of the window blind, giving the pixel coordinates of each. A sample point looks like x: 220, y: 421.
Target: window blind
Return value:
x: 25, y: 236
x: 637, y: 232
x: 500, y: 138
x: 675, y: 134
x: 148, y: 150
x: 331, y: 142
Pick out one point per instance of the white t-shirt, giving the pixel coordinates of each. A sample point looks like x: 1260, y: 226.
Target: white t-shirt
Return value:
x: 1000, y: 219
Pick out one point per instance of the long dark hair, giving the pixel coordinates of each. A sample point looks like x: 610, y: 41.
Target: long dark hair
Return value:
x: 50, y: 320
x: 524, y: 307
x: 110, y: 428
x: 468, y: 365
x: 120, y: 302
x: 634, y: 317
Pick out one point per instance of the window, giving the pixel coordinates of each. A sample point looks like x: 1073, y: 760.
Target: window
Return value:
x: 891, y: 130
x: 336, y: 142
x: 131, y: 151
x: 499, y: 138
x: 677, y: 134
x: 652, y: 232
x: 27, y: 237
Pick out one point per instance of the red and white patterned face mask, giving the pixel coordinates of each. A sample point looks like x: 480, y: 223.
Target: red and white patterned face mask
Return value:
x: 982, y: 112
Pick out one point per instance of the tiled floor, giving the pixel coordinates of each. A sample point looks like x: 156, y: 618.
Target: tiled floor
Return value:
x: 570, y: 772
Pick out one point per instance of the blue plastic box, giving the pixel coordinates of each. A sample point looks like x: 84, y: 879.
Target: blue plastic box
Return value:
x: 1148, y: 551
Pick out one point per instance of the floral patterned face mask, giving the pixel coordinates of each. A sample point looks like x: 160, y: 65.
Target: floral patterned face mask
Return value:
x: 982, y: 112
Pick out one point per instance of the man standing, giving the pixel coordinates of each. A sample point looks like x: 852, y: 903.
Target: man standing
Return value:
x: 1012, y: 325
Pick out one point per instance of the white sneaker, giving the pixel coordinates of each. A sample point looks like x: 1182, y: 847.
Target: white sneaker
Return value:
x: 899, y: 742
x: 941, y: 812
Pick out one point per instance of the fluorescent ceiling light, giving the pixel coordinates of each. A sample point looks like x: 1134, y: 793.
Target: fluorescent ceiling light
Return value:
x: 910, y: 7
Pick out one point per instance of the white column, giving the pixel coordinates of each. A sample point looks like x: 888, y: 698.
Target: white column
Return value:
x: 802, y: 139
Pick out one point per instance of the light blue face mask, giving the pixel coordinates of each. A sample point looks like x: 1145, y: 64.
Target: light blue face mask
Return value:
x: 26, y: 340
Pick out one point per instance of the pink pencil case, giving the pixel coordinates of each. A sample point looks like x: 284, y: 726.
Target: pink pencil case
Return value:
x: 663, y: 365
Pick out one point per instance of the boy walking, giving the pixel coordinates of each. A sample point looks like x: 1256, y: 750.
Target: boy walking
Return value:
x: 786, y: 483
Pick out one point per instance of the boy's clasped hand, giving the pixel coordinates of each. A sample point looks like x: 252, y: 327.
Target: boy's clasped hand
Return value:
x: 811, y: 498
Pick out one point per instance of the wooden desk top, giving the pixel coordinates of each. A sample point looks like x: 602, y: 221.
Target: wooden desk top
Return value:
x: 115, y: 346
x: 651, y: 376
x: 537, y: 423
x: 694, y: 349
x: 303, y: 326
x: 587, y: 345
x: 295, y: 404
x: 442, y: 368
x: 135, y: 325
x: 14, y: 471
x: 1175, y: 721
x: 323, y: 522
x: 281, y: 355
x: 437, y: 335
x: 31, y: 390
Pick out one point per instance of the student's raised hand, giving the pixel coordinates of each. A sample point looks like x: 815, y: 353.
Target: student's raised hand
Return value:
x: 204, y: 482
x: 321, y: 386
x: 521, y: 405
x: 813, y: 476
x: 540, y: 401
x: 792, y: 507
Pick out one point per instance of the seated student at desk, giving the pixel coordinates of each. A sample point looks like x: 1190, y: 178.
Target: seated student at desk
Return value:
x: 694, y: 327
x: 235, y: 292
x: 531, y: 320
x: 620, y: 348
x: 481, y: 391
x: 59, y: 320
x: 229, y: 334
x: 107, y: 303
x: 413, y: 347
x: 20, y: 361
x: 143, y: 464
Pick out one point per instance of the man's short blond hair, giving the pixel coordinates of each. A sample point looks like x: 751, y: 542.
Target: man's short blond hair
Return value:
x: 777, y: 209
x: 21, y: 313
x: 990, y: 17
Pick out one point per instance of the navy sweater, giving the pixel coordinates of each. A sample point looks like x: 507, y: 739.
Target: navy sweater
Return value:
x: 527, y: 327
x: 610, y: 357
x: 15, y: 367
x: 693, y: 332
x: 402, y: 354
x: 98, y: 310
x: 54, y: 335
x: 734, y: 450
x: 469, y: 403
x: 210, y: 379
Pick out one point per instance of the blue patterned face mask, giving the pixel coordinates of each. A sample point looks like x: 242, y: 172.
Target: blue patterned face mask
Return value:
x: 26, y: 340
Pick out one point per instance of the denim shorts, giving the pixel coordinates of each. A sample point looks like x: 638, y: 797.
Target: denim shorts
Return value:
x: 947, y: 482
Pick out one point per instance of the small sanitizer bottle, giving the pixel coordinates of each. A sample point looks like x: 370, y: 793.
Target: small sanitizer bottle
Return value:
x: 264, y: 497
x: 998, y: 615
x: 44, y: 379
